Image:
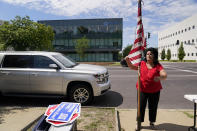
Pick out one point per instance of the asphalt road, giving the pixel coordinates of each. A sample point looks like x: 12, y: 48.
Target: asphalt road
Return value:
x: 182, y: 79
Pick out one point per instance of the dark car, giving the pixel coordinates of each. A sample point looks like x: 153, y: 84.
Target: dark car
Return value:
x: 123, y: 63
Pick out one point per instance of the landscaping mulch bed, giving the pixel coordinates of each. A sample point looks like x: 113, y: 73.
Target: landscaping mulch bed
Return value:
x: 94, y: 119
x: 97, y: 119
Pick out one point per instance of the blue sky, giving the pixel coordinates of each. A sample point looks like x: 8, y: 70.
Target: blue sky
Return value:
x: 157, y: 14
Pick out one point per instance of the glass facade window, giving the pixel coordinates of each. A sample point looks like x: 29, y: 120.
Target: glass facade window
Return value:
x: 104, y: 35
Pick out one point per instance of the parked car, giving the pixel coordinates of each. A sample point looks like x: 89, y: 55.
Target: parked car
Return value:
x: 51, y: 74
x: 123, y: 63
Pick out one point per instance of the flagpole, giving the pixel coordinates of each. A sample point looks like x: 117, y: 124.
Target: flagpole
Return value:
x: 135, y: 56
x: 138, y: 91
x: 138, y: 102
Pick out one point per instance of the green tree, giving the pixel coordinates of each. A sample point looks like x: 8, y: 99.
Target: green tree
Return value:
x: 81, y: 46
x: 119, y: 56
x: 1, y: 44
x: 163, y: 54
x: 181, y: 52
x: 24, y: 34
x: 168, y: 56
x: 1, y: 47
x: 126, y: 51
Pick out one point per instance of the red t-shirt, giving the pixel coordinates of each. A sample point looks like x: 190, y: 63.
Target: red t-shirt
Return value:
x: 148, y: 85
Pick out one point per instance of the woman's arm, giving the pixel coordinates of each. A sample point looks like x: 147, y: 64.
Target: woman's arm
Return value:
x: 162, y: 76
x: 131, y: 66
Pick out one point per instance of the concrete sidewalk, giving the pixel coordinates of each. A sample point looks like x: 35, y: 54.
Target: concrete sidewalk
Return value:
x: 16, y: 118
x: 167, y: 120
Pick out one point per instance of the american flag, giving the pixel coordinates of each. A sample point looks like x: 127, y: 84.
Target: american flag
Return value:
x: 139, y: 45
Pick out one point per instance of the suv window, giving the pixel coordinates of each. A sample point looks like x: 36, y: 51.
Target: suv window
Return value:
x: 42, y: 62
x: 17, y: 61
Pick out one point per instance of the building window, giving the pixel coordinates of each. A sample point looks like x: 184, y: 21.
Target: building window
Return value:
x: 179, y: 32
x: 192, y: 54
x: 176, y: 33
x: 185, y: 42
x: 189, y: 28
x: 192, y: 40
x: 182, y: 31
x: 193, y: 27
x: 188, y: 41
x: 188, y: 54
x: 185, y: 30
x: 196, y: 54
x: 173, y: 34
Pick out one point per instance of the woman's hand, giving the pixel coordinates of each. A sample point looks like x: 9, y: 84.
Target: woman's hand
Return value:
x: 127, y: 59
x: 163, y: 76
x: 131, y: 66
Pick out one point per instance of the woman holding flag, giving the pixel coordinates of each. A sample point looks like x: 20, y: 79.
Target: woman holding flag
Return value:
x: 151, y: 72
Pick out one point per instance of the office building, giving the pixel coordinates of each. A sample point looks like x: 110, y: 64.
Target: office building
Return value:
x: 104, y: 35
x: 184, y: 32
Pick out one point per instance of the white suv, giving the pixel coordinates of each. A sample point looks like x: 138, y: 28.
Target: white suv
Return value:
x: 51, y: 73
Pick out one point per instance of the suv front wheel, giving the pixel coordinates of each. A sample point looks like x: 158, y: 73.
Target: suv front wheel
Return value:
x: 80, y: 94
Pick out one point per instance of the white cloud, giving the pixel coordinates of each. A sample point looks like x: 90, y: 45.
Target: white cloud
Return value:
x: 109, y: 8
x: 157, y: 14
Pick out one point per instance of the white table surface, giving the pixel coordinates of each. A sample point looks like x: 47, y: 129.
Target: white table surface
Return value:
x: 191, y: 97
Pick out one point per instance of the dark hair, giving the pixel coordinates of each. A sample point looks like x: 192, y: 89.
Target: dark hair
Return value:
x: 154, y: 52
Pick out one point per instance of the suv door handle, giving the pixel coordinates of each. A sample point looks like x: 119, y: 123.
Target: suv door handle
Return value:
x: 34, y: 74
x: 5, y: 72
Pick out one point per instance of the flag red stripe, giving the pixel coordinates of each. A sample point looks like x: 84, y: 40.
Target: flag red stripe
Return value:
x: 138, y: 40
x: 135, y: 50
x: 140, y: 31
x: 136, y: 57
x: 139, y: 22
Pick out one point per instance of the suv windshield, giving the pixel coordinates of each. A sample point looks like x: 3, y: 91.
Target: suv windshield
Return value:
x: 65, y: 60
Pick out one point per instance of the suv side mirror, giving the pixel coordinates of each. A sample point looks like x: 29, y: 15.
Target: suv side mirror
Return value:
x: 53, y: 66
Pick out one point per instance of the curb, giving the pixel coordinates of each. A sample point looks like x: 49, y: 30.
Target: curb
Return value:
x: 117, y: 117
x: 31, y: 123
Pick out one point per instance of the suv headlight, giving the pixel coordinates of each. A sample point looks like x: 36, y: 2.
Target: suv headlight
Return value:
x: 101, y: 78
